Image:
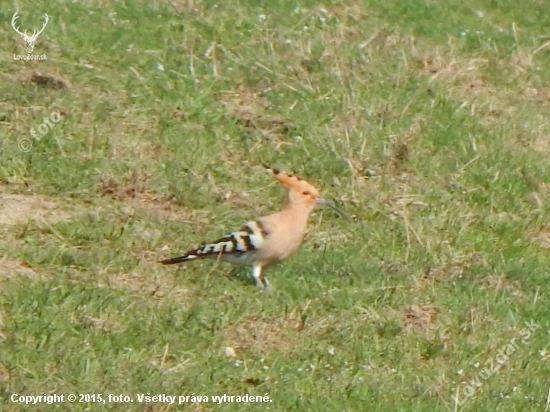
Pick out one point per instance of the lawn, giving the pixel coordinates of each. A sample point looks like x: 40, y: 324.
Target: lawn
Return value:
x: 143, y: 134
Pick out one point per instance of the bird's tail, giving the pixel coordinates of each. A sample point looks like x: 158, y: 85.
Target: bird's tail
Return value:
x: 178, y: 259
x: 247, y: 239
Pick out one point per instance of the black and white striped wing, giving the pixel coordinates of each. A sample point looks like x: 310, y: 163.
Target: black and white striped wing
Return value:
x: 234, y: 248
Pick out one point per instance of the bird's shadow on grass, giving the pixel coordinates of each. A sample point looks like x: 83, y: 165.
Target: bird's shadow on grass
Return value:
x: 237, y: 274
x: 241, y: 274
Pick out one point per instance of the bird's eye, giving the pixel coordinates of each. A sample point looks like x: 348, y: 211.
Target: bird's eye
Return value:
x: 306, y: 193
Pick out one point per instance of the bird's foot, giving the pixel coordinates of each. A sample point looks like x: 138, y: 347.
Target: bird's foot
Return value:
x: 267, y: 288
x: 259, y: 283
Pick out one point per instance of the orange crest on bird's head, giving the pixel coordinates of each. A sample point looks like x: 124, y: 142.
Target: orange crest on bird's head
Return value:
x: 293, y: 183
x: 300, y: 191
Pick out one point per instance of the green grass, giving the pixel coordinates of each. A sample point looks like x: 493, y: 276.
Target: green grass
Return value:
x: 425, y: 121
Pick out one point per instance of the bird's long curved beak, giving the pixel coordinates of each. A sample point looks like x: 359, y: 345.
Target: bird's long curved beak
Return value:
x: 327, y: 203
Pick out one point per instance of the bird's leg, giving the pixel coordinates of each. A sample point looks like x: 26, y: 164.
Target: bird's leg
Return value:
x: 267, y: 288
x: 257, y: 275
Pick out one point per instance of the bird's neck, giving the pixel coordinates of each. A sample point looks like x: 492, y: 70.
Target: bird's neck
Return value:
x: 296, y: 212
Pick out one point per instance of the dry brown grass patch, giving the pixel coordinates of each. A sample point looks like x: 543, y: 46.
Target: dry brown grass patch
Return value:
x: 179, y: 6
x: 147, y: 287
x: 420, y: 317
x: 3, y: 333
x: 402, y: 149
x: 134, y: 185
x: 103, y: 325
x: 5, y: 373
x: 467, y: 74
x: 346, y: 11
x: 345, y: 123
x: 11, y: 268
x: 27, y: 76
x: 263, y: 333
x: 468, y: 81
x: 48, y: 80
x: 244, y: 104
x: 501, y: 282
x: 16, y: 209
x: 130, y: 148
x: 451, y: 269
x: 133, y: 191
x: 249, y: 108
x: 238, y: 199
x: 541, y: 237
x: 542, y: 143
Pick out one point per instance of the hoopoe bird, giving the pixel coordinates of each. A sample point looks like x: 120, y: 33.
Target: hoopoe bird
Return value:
x: 268, y: 240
